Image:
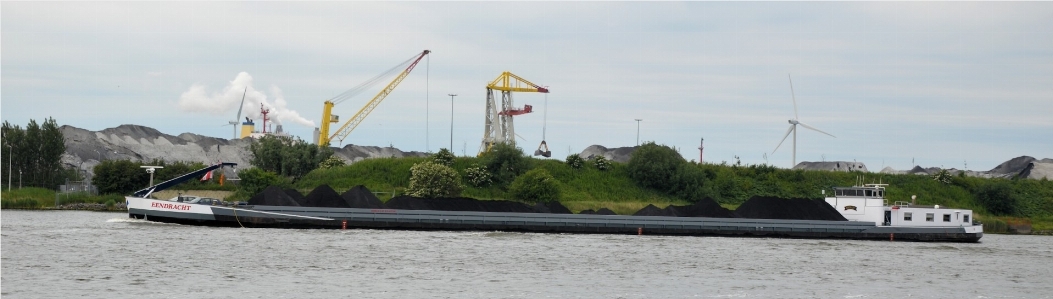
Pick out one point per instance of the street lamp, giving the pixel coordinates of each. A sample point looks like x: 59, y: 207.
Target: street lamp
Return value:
x: 638, y: 131
x: 10, y: 155
x: 451, y: 120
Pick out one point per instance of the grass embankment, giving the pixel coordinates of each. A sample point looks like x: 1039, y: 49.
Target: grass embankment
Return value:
x: 40, y: 198
x: 586, y: 188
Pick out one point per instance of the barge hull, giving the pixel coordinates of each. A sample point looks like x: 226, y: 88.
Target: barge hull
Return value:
x: 337, y: 218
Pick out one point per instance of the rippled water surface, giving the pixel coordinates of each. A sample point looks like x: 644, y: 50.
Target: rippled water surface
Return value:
x: 66, y: 254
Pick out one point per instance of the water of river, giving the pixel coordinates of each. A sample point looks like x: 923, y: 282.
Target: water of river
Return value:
x: 68, y: 254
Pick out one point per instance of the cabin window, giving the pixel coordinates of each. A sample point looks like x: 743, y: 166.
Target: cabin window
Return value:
x: 929, y: 217
x: 908, y: 216
x: 946, y: 217
x: 869, y: 193
x: 965, y: 218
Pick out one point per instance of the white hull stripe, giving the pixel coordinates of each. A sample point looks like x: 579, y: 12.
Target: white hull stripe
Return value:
x: 272, y: 213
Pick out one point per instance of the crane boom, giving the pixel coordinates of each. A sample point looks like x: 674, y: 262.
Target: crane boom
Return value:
x: 324, y: 137
x: 508, y: 81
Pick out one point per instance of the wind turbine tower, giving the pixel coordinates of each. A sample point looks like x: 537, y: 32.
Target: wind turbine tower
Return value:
x: 236, y: 119
x: 701, y: 145
x: 793, y: 127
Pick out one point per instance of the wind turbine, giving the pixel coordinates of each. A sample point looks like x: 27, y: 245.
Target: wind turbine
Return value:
x: 793, y: 126
x: 235, y: 121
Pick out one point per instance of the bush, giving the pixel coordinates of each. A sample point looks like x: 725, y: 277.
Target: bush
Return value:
x: 432, y: 180
x: 504, y: 162
x: 444, y: 157
x: 477, y: 176
x: 601, y: 163
x: 535, y: 186
x: 331, y: 162
x: 997, y: 197
x: 110, y: 203
x: 653, y: 166
x: 575, y: 161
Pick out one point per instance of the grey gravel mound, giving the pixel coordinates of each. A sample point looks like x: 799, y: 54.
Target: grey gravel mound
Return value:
x: 1037, y: 170
x: 832, y: 166
x: 621, y: 154
x: 1013, y: 166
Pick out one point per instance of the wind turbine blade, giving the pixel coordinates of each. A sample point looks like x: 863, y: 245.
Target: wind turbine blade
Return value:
x: 783, y: 139
x: 814, y: 129
x: 792, y: 95
x: 242, y: 103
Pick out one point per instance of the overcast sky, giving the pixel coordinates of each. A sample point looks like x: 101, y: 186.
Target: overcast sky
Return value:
x: 944, y: 84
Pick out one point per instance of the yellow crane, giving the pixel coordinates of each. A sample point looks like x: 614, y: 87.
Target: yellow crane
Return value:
x: 504, y: 130
x: 324, y: 138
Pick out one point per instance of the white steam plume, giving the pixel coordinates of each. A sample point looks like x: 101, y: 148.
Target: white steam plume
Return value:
x: 225, y: 102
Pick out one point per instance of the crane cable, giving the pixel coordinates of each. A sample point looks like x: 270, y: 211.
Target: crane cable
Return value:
x: 544, y: 123
x: 371, y: 82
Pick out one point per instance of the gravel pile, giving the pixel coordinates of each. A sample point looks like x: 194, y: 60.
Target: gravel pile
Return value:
x: 793, y: 208
x: 360, y: 197
x: 405, y: 202
x: 273, y: 196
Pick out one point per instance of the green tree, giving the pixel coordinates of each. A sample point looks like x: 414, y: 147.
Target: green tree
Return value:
x: 432, y: 180
x: 36, y: 152
x: 504, y: 162
x: 120, y: 177
x: 287, y: 156
x: 653, y: 166
x: 536, y: 185
x: 254, y: 180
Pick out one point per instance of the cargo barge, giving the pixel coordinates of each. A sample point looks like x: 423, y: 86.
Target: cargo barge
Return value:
x: 860, y: 225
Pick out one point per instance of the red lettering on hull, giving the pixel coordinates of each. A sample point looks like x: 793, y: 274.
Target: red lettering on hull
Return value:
x: 169, y: 206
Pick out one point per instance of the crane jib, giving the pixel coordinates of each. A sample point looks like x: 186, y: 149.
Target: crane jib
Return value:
x: 324, y: 137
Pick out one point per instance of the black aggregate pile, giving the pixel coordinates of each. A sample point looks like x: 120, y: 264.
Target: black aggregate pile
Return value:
x: 793, y: 209
x: 325, y: 197
x: 605, y: 211
x: 360, y: 197
x: 587, y: 212
x: 706, y: 207
x: 405, y: 202
x: 651, y: 210
x: 273, y: 196
x: 551, y: 208
x: 295, y: 195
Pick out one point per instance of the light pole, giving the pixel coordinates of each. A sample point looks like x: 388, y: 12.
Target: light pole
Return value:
x: 10, y: 155
x: 638, y: 131
x: 451, y: 120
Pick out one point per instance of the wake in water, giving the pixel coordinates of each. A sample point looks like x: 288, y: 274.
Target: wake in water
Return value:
x: 136, y: 221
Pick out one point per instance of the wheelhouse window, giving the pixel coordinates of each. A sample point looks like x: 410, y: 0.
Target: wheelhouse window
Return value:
x: 908, y: 216
x: 965, y: 218
x: 929, y: 217
x: 946, y: 217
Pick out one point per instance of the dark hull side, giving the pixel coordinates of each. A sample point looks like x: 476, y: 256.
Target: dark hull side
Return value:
x: 337, y: 218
